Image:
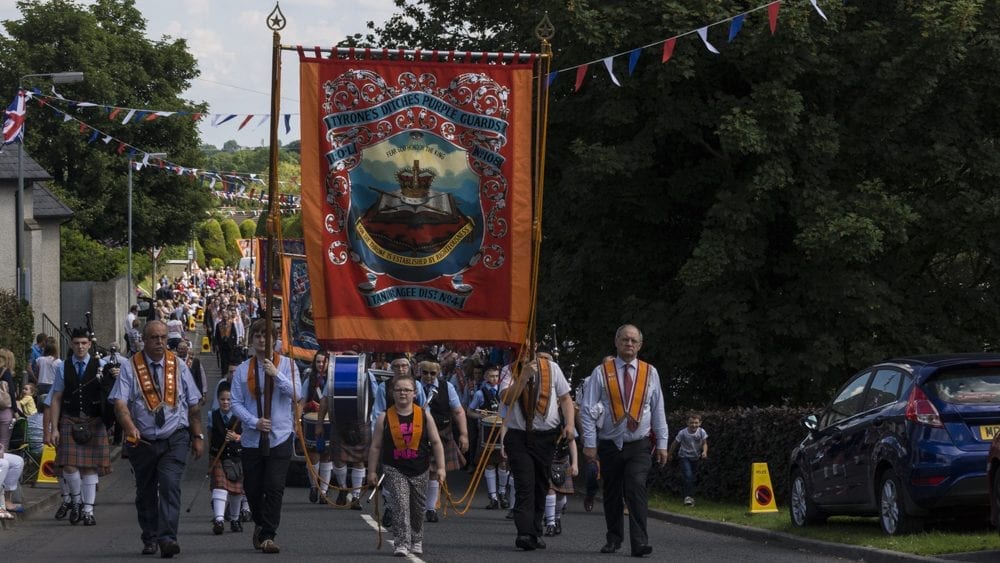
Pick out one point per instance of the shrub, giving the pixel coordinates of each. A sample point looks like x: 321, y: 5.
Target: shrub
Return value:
x: 16, y: 328
x: 216, y: 264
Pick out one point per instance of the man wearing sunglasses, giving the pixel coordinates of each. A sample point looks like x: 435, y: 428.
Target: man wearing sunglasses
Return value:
x: 445, y: 407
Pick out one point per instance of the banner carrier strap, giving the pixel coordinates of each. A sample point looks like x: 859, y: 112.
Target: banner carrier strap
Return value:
x: 366, y: 53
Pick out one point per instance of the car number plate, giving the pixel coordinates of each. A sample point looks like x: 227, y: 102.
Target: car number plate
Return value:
x: 988, y: 431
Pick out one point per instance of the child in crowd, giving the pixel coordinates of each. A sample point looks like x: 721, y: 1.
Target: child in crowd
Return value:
x: 691, y: 445
x: 226, y: 467
x: 564, y: 468
x: 27, y: 401
x: 487, y: 399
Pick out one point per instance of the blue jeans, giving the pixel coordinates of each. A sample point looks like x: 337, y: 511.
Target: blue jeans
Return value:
x: 689, y: 466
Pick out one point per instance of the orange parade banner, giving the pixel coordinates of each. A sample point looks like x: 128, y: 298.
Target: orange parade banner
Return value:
x: 416, y: 200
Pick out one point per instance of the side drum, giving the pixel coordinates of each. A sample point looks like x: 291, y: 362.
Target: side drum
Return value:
x: 350, y: 395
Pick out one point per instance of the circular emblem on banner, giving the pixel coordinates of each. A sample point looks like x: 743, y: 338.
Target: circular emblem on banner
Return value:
x: 415, y: 212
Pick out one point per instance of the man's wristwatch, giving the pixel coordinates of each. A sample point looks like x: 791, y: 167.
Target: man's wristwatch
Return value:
x: 198, y: 436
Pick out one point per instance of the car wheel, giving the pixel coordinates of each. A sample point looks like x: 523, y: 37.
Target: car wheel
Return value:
x: 892, y: 515
x: 803, y: 509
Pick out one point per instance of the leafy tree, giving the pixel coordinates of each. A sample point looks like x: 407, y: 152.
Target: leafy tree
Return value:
x: 199, y: 253
x: 247, y: 228
x: 84, y: 259
x: 16, y: 329
x: 106, y: 40
x: 231, y: 232
x: 774, y: 217
x: 291, y: 226
x: 230, y: 146
x: 213, y: 241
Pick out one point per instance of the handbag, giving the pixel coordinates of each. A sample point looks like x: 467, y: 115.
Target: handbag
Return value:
x: 6, y: 401
x: 232, y: 469
x: 559, y: 471
x: 82, y: 432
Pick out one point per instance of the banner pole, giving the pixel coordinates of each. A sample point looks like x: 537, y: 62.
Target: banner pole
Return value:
x: 275, y: 22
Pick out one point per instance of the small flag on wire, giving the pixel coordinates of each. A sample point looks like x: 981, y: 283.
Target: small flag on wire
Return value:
x: 13, y: 123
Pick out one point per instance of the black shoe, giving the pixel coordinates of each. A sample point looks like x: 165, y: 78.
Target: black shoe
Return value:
x: 611, y: 547
x: 341, y: 498
x: 510, y: 514
x: 643, y: 551
x: 356, y: 503
x: 493, y: 505
x: 504, y: 503
x: 75, y: 513
x: 169, y: 548
x: 432, y: 516
x: 525, y: 542
x: 387, y: 518
x: 558, y: 526
x: 256, y: 537
x: 89, y: 520
x: 218, y: 527
x: 236, y: 526
x: 313, y: 495
x: 149, y: 548
x: 63, y: 510
x: 539, y: 544
x: 588, y: 503
x: 550, y: 530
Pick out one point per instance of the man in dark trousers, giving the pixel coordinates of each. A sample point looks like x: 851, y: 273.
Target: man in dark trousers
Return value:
x: 264, y: 471
x: 530, y: 441
x: 156, y: 403
x: 616, y: 426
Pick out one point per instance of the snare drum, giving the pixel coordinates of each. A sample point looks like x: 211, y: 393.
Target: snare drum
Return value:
x: 310, y: 423
x: 489, y: 428
x: 350, y: 392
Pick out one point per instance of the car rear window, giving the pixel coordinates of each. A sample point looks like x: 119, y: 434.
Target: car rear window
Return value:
x: 968, y: 386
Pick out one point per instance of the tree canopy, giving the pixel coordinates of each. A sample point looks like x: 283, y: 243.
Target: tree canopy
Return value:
x: 106, y: 41
x: 774, y: 217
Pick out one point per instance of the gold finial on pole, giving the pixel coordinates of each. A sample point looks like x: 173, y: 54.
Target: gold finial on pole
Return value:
x: 276, y: 20
x: 545, y: 30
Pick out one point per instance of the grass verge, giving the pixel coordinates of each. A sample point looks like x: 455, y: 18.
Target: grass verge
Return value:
x: 939, y: 538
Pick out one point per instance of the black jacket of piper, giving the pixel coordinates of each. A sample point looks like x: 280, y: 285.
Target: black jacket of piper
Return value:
x: 86, y: 394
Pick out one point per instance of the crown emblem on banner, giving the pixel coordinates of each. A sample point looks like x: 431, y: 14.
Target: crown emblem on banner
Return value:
x: 415, y: 182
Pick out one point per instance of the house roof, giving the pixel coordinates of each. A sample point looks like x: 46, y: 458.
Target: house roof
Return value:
x: 30, y: 168
x: 47, y: 206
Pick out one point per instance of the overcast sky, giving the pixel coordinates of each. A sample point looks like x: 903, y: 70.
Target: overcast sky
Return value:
x: 232, y: 44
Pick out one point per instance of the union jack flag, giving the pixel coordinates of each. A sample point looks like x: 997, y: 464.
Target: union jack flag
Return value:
x: 13, y: 124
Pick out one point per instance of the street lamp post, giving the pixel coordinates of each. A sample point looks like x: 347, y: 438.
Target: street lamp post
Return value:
x: 131, y: 283
x: 23, y: 281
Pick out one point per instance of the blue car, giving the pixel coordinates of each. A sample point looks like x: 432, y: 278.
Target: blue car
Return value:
x: 903, y: 440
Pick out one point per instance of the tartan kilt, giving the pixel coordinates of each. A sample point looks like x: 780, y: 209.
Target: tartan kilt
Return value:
x: 343, y: 434
x: 567, y: 486
x: 96, y: 453
x: 219, y: 481
x: 453, y: 458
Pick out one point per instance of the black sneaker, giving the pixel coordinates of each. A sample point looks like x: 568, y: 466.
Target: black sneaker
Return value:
x: 236, y: 526
x: 493, y: 505
x: 504, y: 503
x: 387, y: 518
x: 89, y: 520
x: 63, y: 510
x: 550, y: 530
x: 510, y: 514
x: 558, y: 526
x: 218, y: 527
x: 432, y: 516
x: 356, y: 503
x: 75, y: 513
x: 341, y: 498
x: 313, y: 495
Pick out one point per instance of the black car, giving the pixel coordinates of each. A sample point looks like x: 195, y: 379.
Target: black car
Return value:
x: 904, y: 440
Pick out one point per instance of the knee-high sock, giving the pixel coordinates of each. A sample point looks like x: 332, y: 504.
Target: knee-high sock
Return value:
x: 312, y: 480
x: 550, y: 508
x: 64, y: 488
x: 325, y: 469
x: 357, y: 479
x: 219, y: 497
x: 561, y: 501
x: 234, y: 506
x: 340, y: 474
x: 491, y: 483
x: 503, y: 477
x: 74, y: 484
x: 88, y: 492
x: 432, y: 494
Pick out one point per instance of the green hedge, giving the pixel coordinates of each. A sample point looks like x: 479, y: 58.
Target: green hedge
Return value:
x: 737, y: 438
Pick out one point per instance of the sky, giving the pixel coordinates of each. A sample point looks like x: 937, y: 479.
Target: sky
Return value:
x: 232, y: 44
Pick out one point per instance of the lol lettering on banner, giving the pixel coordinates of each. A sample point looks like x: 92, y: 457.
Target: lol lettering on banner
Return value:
x: 417, y: 200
